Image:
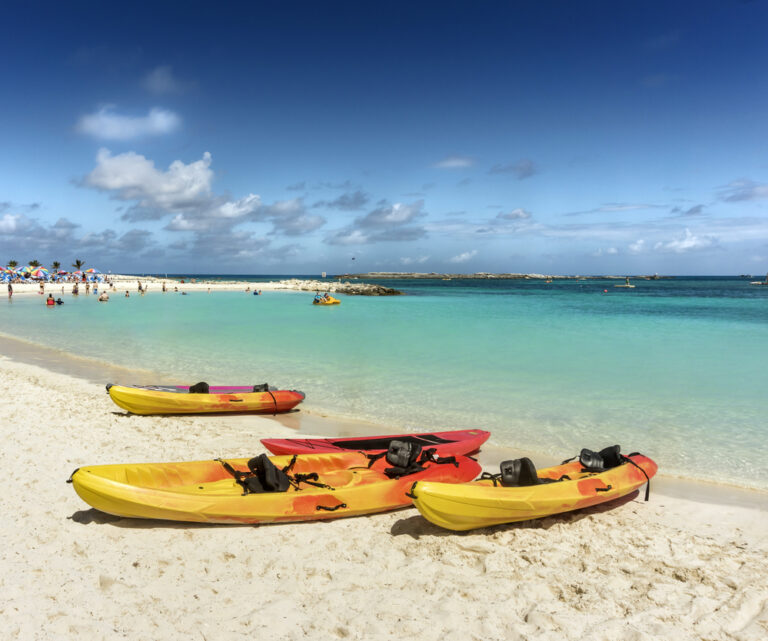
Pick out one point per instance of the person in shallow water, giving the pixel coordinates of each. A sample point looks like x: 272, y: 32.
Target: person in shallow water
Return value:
x: 49, y: 301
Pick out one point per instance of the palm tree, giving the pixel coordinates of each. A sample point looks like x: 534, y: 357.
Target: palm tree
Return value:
x: 55, y: 266
x: 12, y: 264
x: 34, y: 263
x: 78, y: 264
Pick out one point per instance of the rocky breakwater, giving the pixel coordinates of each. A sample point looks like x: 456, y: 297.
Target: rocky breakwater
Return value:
x: 352, y: 289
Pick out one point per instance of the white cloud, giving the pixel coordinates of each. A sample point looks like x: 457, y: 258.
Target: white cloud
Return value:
x: 162, y: 81
x: 463, y: 257
x: 133, y: 177
x: 687, y: 243
x: 454, y: 162
x: 610, y: 251
x: 741, y: 190
x: 348, y: 237
x: 397, y: 214
x: 637, y: 247
x: 9, y: 223
x: 515, y: 214
x: 291, y: 218
x: 386, y: 223
x: 108, y: 125
x: 240, y: 208
x: 414, y: 261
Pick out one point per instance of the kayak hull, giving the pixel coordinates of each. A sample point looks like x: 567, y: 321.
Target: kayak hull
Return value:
x: 152, y: 401
x: 450, y: 443
x: 467, y: 506
x: 205, y: 492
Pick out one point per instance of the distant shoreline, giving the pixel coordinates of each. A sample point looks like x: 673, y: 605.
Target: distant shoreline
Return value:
x: 490, y: 276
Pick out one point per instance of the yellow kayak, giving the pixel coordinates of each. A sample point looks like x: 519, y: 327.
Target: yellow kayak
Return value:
x: 179, y: 400
x: 329, y: 300
x: 318, y: 486
x: 557, y: 489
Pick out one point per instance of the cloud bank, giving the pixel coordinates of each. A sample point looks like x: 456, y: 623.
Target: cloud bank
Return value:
x: 105, y: 124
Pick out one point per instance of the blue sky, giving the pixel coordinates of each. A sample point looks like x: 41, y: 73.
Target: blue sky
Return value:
x: 299, y: 137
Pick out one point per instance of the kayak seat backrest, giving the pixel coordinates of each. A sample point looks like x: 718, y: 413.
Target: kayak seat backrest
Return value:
x: 199, y: 388
x: 264, y: 387
x: 605, y: 459
x: 519, y: 472
x: 269, y: 478
x: 403, y: 453
x: 403, y: 456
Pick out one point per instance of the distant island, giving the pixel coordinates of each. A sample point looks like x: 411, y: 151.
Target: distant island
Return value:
x: 488, y: 276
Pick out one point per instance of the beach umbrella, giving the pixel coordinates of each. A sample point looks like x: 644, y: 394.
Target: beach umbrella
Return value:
x: 40, y: 272
x: 92, y: 271
x: 78, y: 272
x: 62, y: 272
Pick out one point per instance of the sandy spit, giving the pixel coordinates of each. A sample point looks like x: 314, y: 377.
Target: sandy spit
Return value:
x: 670, y: 568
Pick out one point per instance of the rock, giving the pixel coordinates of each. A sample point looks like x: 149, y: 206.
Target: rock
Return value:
x: 352, y: 289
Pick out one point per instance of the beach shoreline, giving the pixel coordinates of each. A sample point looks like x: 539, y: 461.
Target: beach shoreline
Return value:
x: 670, y: 568
x: 312, y: 423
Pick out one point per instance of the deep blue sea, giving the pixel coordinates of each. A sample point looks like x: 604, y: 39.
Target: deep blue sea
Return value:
x: 675, y: 368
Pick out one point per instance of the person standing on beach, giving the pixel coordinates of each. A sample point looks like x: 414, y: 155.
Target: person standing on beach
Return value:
x: 10, y: 290
x: 164, y: 288
x: 42, y: 288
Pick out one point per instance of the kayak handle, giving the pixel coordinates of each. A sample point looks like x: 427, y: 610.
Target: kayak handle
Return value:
x: 331, y: 509
x: 603, y: 489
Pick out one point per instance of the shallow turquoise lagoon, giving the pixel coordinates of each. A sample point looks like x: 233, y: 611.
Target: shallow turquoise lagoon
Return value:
x: 676, y: 369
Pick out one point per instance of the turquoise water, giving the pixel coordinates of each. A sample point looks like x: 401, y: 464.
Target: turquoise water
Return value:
x: 674, y: 368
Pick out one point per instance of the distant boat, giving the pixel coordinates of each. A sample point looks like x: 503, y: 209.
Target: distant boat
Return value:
x: 760, y: 282
x: 626, y: 285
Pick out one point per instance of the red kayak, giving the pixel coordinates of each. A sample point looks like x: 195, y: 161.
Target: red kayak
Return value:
x: 453, y: 443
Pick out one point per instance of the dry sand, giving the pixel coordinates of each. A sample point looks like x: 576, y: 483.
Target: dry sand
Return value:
x: 672, y: 568
x: 154, y: 285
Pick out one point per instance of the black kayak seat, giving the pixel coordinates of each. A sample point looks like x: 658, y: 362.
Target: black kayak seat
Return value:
x: 601, y: 461
x: 403, y: 453
x: 268, y: 477
x: 520, y: 472
x: 199, y: 388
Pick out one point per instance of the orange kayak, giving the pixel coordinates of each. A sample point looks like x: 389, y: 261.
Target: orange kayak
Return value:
x: 179, y: 400
x: 554, y: 490
x: 323, y: 486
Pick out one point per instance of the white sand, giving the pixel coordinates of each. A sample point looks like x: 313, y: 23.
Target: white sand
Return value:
x: 154, y: 285
x: 672, y: 568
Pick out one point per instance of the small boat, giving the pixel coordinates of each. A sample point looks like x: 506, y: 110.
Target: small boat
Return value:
x: 626, y: 285
x: 265, y: 489
x: 760, y: 282
x: 203, y: 399
x: 452, y: 443
x: 325, y: 300
x: 520, y: 493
